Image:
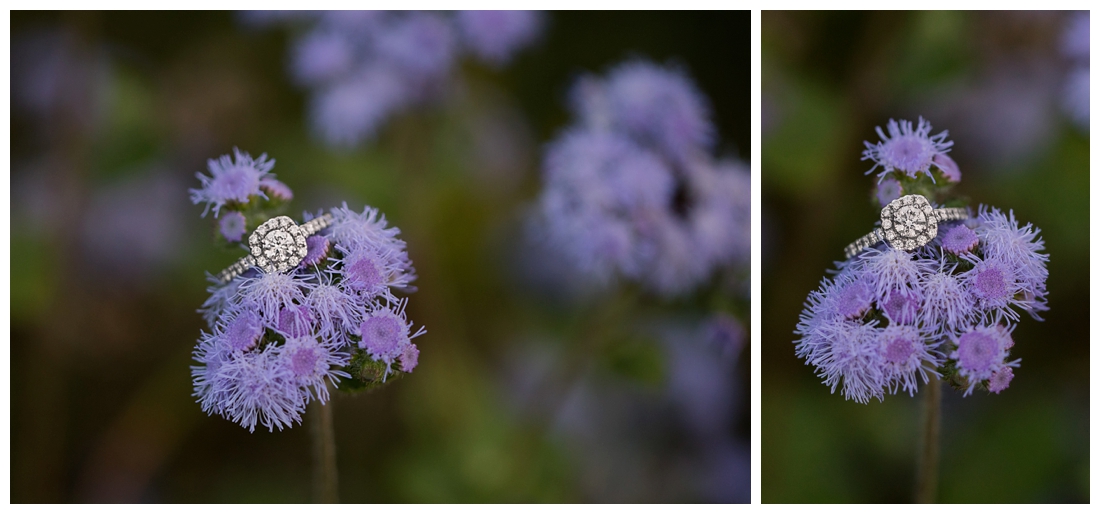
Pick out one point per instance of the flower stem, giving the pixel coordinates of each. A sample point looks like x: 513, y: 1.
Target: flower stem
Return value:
x: 324, y: 454
x: 928, y: 464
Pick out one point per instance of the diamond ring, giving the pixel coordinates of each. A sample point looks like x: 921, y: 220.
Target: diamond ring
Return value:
x: 276, y: 246
x: 907, y: 223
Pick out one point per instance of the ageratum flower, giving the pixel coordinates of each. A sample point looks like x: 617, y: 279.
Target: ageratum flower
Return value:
x: 278, y: 341
x: 906, y: 150
x: 234, y: 179
x: 889, y: 319
x: 631, y: 192
x: 362, y: 68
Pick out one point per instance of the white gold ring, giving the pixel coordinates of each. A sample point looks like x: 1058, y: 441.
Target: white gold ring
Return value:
x: 907, y: 223
x: 276, y: 246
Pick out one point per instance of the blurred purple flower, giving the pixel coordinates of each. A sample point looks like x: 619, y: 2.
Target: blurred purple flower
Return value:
x: 495, y: 36
x: 1075, y: 97
x: 1075, y: 40
x: 887, y: 190
x: 906, y: 150
x: 364, y: 67
x: 632, y: 193
x: 232, y: 226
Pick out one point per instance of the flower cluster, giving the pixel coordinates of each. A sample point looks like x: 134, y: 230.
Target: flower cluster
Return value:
x: 910, y: 152
x: 363, y: 67
x: 277, y: 340
x: 632, y: 191
x: 1075, y: 46
x: 890, y: 319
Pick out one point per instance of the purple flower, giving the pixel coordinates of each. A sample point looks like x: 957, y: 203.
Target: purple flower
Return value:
x: 959, y: 239
x: 336, y: 311
x: 981, y: 352
x: 853, y: 300
x: 905, y: 352
x: 232, y: 226
x: 1075, y: 40
x: 1075, y: 96
x: 351, y: 111
x: 658, y: 107
x: 257, y: 389
x: 851, y: 359
x: 385, y: 336
x: 367, y: 229
x: 373, y: 272
x: 244, y: 331
x: 295, y: 321
x: 887, y: 190
x: 270, y: 292
x: 494, y: 36
x: 420, y: 44
x: 994, y: 285
x: 231, y: 180
x: 905, y: 150
x: 948, y: 304
x: 901, y: 307
x: 309, y: 363
x: 276, y: 189
x: 1003, y: 239
x: 1000, y: 380
x: 948, y: 167
x: 889, y: 269
x: 322, y: 56
x: 317, y: 250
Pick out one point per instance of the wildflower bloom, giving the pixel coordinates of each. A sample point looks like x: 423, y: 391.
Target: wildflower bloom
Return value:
x: 949, y: 305
x: 959, y: 239
x: 232, y: 226
x: 906, y: 150
x: 278, y: 341
x: 231, y: 180
x: 362, y: 68
x: 887, y: 190
x: 630, y: 190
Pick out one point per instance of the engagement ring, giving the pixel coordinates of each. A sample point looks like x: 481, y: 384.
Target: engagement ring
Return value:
x: 276, y: 246
x: 907, y: 223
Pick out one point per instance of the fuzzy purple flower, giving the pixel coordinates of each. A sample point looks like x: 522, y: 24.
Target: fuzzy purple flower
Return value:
x: 317, y: 250
x: 495, y: 36
x: 231, y: 180
x: 887, y: 190
x: 310, y: 363
x: 906, y: 150
x: 981, y: 352
x: 959, y: 239
x: 232, y: 226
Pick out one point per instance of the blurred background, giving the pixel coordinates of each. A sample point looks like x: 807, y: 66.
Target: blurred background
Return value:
x: 114, y: 113
x: 1000, y: 82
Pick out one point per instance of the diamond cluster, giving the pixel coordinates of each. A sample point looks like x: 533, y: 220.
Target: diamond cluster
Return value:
x: 277, y: 245
x: 908, y: 223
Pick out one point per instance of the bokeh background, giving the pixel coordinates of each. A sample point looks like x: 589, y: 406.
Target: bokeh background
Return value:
x: 112, y: 115
x: 996, y: 81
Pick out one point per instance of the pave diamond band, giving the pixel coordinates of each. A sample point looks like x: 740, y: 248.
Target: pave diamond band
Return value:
x: 276, y: 246
x: 907, y: 223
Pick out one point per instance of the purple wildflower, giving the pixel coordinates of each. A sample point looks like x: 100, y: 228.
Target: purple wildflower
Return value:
x: 367, y: 229
x: 959, y: 239
x: 948, y: 303
x: 906, y: 150
x: 887, y: 190
x: 276, y: 189
x: 322, y: 56
x: 890, y: 269
x: 352, y: 110
x: 244, y: 331
x: 1003, y: 239
x: 231, y: 180
x: 385, y: 336
x: 901, y: 307
x: 905, y: 352
x: 494, y: 36
x: 1000, y: 380
x: 232, y: 226
x: 661, y: 107
x: 981, y: 352
x: 851, y: 359
x: 256, y: 389
x: 270, y: 292
x: 420, y: 44
x: 336, y: 311
x: 317, y: 250
x: 309, y: 363
x: 948, y: 167
x: 854, y: 299
x: 295, y: 321
x: 994, y: 285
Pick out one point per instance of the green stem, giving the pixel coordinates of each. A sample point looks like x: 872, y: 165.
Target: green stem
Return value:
x: 324, y: 454
x: 929, y: 462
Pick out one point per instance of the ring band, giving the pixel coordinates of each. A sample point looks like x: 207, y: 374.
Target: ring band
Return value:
x: 277, y: 245
x: 907, y: 223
